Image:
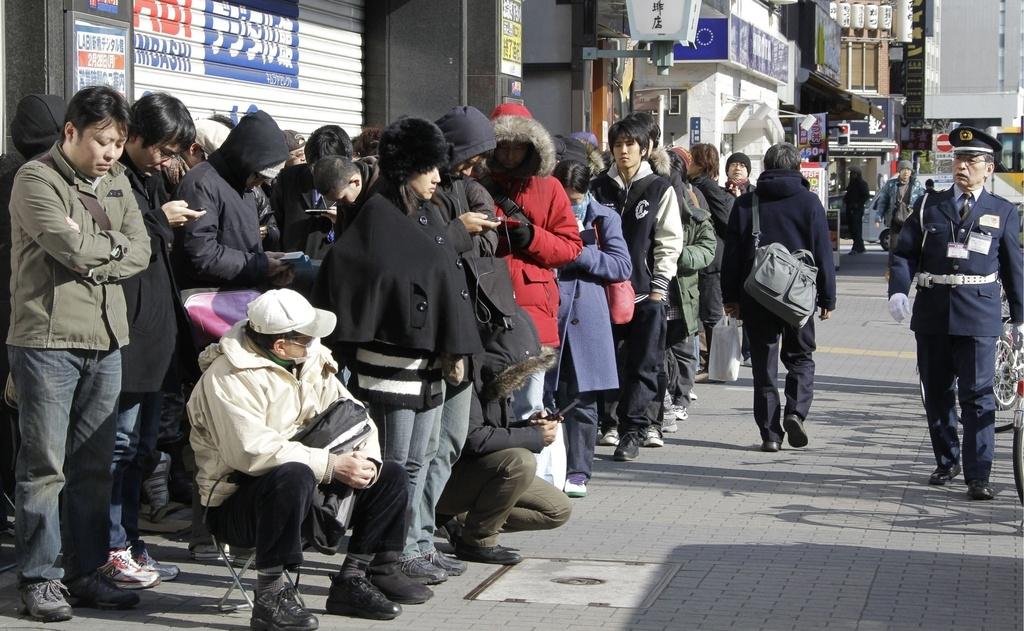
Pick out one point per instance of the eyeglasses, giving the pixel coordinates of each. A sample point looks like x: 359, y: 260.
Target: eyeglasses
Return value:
x: 304, y: 342
x: 166, y: 153
x: 969, y: 160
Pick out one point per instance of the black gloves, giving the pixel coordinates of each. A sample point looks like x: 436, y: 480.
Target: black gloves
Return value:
x: 520, y: 236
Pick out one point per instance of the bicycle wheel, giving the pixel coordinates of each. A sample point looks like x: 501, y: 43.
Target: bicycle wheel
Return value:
x: 1018, y: 462
x: 1005, y: 382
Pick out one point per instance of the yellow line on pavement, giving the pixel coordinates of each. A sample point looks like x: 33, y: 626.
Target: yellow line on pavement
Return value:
x: 842, y: 350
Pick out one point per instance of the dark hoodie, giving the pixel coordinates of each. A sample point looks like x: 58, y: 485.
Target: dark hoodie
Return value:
x: 222, y: 248
x: 789, y: 214
x: 36, y: 126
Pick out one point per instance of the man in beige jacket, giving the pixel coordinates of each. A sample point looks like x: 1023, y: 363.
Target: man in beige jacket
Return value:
x: 76, y: 232
x: 267, y: 379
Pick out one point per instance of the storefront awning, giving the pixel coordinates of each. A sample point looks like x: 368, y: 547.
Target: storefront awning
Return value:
x: 742, y: 115
x: 818, y: 95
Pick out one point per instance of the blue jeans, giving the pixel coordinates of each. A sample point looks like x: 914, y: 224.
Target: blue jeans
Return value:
x: 138, y: 425
x: 406, y: 437
x: 530, y: 397
x: 67, y: 416
x: 448, y: 445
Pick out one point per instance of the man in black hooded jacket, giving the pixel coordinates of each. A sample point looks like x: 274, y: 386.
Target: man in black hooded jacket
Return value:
x: 36, y: 126
x: 223, y: 248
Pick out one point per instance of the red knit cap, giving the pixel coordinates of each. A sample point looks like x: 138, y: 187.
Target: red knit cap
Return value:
x: 684, y: 154
x: 511, y: 109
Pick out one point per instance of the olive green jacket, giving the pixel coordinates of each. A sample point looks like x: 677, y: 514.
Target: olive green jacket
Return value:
x: 699, y: 245
x: 64, y: 269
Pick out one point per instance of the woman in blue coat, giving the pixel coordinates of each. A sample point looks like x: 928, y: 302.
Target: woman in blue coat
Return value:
x: 586, y: 363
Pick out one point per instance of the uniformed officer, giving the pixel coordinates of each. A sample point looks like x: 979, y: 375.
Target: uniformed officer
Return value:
x: 955, y: 247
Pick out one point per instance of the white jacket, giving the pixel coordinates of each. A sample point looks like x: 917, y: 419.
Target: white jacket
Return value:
x: 245, y: 409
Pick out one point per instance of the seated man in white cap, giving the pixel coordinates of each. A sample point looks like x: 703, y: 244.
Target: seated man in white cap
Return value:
x: 262, y: 384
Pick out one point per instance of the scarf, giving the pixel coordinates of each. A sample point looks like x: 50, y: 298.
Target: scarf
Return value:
x: 737, y: 187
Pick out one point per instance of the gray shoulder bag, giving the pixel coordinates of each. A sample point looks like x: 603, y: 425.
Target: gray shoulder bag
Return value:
x: 782, y: 282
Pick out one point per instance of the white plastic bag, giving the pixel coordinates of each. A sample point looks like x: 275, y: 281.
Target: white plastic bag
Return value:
x: 552, y: 461
x: 724, y: 363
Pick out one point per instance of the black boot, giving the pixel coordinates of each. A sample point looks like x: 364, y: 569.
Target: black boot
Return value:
x: 280, y: 611
x: 356, y: 596
x: 386, y: 575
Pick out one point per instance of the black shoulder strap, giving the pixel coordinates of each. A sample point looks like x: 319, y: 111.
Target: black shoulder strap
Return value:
x: 91, y: 203
x: 501, y: 198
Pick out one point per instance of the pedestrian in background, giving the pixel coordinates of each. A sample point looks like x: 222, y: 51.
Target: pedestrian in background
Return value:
x: 854, y: 199
x: 896, y: 199
x: 737, y: 174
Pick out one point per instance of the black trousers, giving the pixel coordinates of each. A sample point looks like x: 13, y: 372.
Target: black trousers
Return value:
x: 267, y: 513
x: 855, y: 217
x: 641, y: 351
x: 796, y: 353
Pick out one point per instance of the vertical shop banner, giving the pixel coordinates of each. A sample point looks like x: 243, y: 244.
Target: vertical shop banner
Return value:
x: 913, y: 109
x: 512, y: 37
x: 100, y: 56
x: 813, y: 142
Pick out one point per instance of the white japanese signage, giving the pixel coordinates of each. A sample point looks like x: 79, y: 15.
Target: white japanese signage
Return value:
x: 844, y: 14
x: 858, y: 16
x: 663, y: 20
x: 872, y: 16
x: 887, y: 17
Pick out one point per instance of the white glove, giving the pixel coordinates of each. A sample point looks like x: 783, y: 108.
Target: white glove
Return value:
x: 899, y: 307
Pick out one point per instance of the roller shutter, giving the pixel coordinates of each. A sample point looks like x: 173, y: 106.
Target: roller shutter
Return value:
x: 301, y: 61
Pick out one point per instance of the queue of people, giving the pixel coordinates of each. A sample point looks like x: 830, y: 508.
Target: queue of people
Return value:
x: 407, y: 321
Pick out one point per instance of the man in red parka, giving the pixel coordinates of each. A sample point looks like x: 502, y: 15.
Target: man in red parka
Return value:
x: 540, y: 232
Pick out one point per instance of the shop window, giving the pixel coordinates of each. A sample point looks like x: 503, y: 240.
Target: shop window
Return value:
x: 859, y: 66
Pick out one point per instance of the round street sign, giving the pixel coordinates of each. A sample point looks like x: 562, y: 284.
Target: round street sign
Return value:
x: 942, y: 143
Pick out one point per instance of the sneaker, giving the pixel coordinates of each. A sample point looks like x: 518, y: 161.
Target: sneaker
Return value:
x: 122, y: 569
x: 208, y: 552
x: 609, y: 438
x: 629, y: 447
x: 357, y: 596
x: 155, y: 488
x: 682, y: 413
x: 576, y: 485
x: 451, y: 566
x: 166, y: 571
x: 97, y: 590
x: 693, y: 395
x: 421, y: 570
x: 653, y: 438
x: 281, y: 610
x: 46, y: 601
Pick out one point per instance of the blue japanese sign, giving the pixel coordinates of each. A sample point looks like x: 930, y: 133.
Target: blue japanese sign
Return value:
x: 753, y: 48
x: 694, y: 130
x: 711, y: 42
x: 732, y: 39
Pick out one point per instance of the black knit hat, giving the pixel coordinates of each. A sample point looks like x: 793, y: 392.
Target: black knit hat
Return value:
x: 741, y: 158
x: 409, y: 146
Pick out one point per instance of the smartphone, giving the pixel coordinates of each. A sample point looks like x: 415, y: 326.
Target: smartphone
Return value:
x: 316, y: 211
x: 510, y: 222
x: 293, y: 256
x: 560, y: 414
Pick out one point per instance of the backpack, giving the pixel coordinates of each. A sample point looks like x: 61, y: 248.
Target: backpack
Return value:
x: 781, y: 281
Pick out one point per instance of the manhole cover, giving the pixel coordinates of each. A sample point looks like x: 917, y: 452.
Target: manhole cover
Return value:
x: 577, y: 582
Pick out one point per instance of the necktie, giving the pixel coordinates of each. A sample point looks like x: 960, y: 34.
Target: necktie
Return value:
x: 966, y: 202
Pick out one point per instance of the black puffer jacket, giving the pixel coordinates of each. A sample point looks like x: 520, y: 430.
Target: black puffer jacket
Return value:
x: 222, y: 248
x: 720, y: 203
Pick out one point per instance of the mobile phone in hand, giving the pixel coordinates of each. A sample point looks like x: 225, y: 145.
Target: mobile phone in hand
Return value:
x: 293, y: 256
x: 316, y: 211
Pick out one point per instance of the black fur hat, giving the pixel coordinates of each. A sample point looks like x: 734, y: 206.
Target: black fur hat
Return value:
x: 409, y: 146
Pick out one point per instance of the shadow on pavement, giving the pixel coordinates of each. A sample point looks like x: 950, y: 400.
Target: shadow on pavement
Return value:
x: 814, y: 586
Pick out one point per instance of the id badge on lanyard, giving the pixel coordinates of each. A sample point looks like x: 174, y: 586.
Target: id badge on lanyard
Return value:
x: 956, y: 249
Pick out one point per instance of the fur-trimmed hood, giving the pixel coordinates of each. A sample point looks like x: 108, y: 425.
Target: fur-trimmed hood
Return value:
x: 539, y: 161
x: 508, y: 381
x: 660, y: 162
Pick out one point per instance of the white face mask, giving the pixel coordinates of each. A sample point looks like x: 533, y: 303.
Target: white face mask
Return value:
x: 311, y: 351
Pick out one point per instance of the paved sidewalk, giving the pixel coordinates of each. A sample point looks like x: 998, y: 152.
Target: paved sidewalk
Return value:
x: 844, y: 534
